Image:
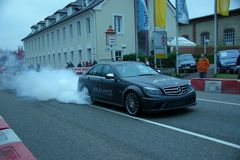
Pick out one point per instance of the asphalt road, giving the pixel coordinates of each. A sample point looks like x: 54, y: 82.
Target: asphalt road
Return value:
x: 55, y: 131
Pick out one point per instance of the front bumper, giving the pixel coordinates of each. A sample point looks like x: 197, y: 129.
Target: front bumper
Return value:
x: 164, y: 102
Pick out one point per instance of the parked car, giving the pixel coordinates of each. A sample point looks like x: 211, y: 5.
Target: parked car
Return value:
x: 226, y: 60
x: 137, y: 87
x: 186, y: 62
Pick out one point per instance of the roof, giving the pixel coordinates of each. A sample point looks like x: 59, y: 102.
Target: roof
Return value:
x: 64, y: 10
x: 78, y: 12
x: 34, y: 26
x: 210, y: 17
x: 41, y: 22
x: 50, y: 17
x: 76, y: 3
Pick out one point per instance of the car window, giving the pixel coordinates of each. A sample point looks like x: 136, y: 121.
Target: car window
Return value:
x: 185, y: 57
x: 229, y: 54
x: 96, y: 71
x: 134, y: 69
x: 107, y: 69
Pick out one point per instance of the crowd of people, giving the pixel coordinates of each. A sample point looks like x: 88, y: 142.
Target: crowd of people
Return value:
x: 83, y: 64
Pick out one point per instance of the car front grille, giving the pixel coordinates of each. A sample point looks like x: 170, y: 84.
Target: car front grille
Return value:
x: 176, y: 91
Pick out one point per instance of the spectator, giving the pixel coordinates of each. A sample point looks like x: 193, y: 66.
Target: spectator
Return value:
x: 94, y: 62
x: 68, y: 65
x: 147, y: 62
x: 238, y: 66
x: 71, y: 65
x: 84, y: 65
x: 38, y: 68
x: 87, y: 64
x: 202, y: 66
x: 79, y: 64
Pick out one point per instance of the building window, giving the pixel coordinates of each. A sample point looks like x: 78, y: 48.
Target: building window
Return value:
x: 48, y: 40
x: 39, y: 43
x: 118, y: 23
x: 64, y: 33
x: 49, y: 59
x: 58, y: 37
x: 118, y: 55
x: 53, y: 38
x: 65, y: 57
x: 88, y: 25
x: 44, y: 60
x: 72, y: 56
x: 229, y: 35
x: 80, y: 56
x: 71, y: 31
x: 79, y: 28
x: 89, y: 54
x: 204, y: 36
x: 42, y: 41
x: 54, y: 59
x: 35, y: 44
x: 59, y: 59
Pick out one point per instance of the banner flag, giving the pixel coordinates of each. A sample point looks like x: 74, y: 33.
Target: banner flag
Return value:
x: 182, y: 10
x: 143, y: 16
x: 223, y: 7
x: 160, y: 13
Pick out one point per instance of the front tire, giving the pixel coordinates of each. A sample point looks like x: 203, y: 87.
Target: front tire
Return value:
x: 132, y: 103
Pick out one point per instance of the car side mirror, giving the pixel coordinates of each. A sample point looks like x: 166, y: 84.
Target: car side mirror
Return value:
x: 110, y: 76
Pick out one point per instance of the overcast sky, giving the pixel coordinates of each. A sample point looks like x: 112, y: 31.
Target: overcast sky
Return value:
x: 17, y: 16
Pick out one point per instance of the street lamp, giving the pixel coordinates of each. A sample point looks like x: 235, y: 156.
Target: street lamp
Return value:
x: 111, y: 39
x: 206, y: 41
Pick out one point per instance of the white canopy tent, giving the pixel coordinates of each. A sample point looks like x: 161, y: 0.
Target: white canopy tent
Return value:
x: 182, y: 42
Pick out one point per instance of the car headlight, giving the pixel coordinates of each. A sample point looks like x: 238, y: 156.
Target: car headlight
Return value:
x: 223, y: 64
x: 190, y: 86
x: 152, y: 91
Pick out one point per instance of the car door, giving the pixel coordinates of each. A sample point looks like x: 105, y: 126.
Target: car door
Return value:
x: 92, y: 81
x: 108, y: 86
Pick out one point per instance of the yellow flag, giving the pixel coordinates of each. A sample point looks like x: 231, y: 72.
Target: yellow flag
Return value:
x: 223, y: 7
x: 160, y: 13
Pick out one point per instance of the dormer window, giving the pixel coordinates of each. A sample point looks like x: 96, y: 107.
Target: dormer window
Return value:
x: 86, y: 3
x: 34, y: 28
x: 70, y: 10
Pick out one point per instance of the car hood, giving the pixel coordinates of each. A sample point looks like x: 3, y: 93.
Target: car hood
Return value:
x: 157, y: 80
x: 230, y: 61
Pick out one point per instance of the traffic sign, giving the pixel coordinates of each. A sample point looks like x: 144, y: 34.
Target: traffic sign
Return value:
x: 160, y: 44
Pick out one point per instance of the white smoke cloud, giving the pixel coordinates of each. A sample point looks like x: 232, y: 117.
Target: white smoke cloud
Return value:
x: 47, y: 84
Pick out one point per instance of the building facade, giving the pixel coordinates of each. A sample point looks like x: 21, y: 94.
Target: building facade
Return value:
x: 76, y: 33
x: 201, y: 29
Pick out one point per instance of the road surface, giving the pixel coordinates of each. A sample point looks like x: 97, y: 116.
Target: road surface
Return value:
x: 53, y: 131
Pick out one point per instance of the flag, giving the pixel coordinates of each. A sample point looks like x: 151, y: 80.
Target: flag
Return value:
x: 223, y: 7
x: 182, y: 10
x: 143, y: 16
x: 160, y: 13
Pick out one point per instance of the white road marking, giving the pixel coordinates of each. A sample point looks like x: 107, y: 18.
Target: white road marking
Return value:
x: 173, y: 128
x: 214, y: 101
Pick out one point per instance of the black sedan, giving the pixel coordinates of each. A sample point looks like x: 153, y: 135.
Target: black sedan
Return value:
x: 137, y: 87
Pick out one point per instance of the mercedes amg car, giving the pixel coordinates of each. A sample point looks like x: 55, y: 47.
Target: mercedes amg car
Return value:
x: 137, y: 87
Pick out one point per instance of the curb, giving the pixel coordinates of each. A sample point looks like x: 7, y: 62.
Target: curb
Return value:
x: 11, y: 146
x: 230, y: 86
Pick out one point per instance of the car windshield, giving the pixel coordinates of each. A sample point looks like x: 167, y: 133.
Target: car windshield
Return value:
x: 229, y: 54
x: 134, y: 69
x: 186, y: 57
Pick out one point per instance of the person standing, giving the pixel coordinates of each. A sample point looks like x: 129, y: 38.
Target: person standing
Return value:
x: 238, y: 66
x: 202, y: 66
x: 147, y: 62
